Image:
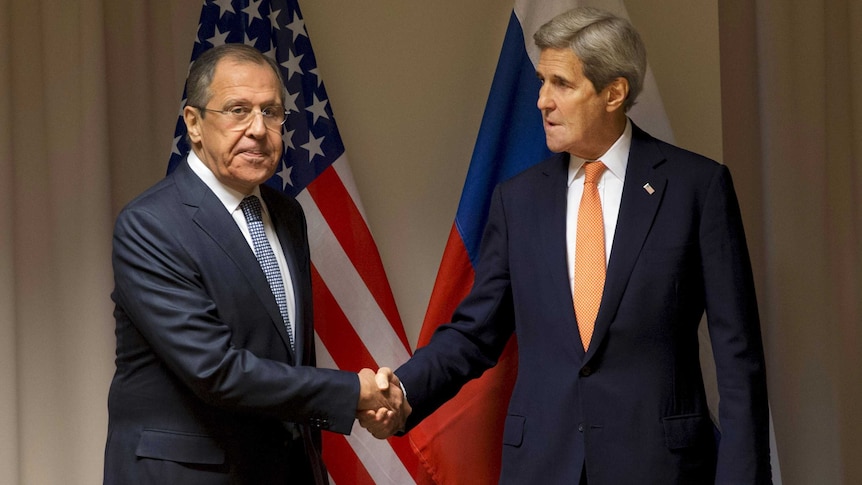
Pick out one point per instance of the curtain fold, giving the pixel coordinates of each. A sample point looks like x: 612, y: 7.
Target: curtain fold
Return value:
x: 78, y: 116
x: 809, y: 57
x: 8, y: 347
x: 58, y: 195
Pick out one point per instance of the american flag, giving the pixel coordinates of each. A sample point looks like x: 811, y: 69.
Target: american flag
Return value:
x: 356, y: 321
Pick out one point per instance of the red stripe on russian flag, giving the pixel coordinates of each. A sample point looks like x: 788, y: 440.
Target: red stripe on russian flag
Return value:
x: 454, y: 280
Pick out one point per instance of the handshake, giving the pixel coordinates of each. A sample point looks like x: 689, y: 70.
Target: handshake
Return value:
x: 383, y: 408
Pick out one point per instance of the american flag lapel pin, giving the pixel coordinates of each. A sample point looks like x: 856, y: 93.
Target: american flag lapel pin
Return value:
x: 649, y: 188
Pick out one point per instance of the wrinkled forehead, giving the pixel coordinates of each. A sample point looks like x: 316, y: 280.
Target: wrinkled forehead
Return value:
x: 245, y: 79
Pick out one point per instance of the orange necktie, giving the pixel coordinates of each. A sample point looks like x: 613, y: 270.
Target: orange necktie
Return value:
x: 589, y: 254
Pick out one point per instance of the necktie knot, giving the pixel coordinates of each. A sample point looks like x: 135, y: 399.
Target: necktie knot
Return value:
x: 592, y: 172
x: 251, y: 208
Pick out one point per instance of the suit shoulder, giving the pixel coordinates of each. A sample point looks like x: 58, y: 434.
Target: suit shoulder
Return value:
x: 672, y: 154
x: 555, y: 164
x: 684, y: 168
x: 151, y: 214
x: 154, y: 196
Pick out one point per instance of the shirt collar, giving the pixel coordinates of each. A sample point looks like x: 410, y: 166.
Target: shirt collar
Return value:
x: 615, y: 159
x: 229, y: 197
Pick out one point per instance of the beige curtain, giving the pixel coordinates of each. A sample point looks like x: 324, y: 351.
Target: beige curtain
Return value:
x: 792, y: 109
x: 78, y: 118
x: 810, y: 55
x: 89, y: 92
x: 56, y: 208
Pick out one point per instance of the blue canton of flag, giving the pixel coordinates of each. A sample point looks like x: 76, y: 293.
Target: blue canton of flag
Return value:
x: 276, y: 28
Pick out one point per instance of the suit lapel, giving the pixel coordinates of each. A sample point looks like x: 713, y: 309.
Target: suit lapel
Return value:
x: 280, y: 221
x: 552, y: 201
x: 211, y: 216
x: 638, y: 208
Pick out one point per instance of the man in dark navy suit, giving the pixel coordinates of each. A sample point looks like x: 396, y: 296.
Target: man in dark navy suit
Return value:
x: 602, y: 260
x: 215, y: 379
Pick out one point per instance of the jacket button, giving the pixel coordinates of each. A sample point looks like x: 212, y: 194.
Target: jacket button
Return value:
x: 581, y: 427
x: 586, y: 371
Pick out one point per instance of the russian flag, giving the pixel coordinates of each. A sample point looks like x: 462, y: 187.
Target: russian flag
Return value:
x: 461, y: 442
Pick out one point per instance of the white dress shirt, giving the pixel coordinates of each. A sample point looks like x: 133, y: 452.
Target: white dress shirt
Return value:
x: 231, y: 200
x: 610, y: 188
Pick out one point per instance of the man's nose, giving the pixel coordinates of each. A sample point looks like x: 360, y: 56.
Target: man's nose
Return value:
x: 257, y: 125
x: 545, y: 101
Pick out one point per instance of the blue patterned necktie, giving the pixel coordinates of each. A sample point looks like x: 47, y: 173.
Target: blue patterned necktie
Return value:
x: 263, y: 251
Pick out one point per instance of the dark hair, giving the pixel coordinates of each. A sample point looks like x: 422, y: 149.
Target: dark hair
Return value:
x: 202, y: 71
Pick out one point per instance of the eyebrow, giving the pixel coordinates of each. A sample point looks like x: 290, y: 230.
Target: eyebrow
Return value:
x: 246, y: 102
x: 555, y: 77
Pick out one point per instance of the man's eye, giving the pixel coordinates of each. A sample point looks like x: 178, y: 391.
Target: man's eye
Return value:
x: 238, y: 111
x: 270, y: 111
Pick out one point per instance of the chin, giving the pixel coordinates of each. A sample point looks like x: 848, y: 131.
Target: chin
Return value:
x: 554, y: 147
x: 257, y: 178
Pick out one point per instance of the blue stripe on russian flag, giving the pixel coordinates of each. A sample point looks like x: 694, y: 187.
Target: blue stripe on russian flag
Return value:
x: 511, y: 137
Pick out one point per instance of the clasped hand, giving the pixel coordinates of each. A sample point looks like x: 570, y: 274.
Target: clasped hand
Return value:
x: 382, y: 409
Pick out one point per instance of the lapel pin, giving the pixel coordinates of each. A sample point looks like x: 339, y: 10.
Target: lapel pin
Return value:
x: 649, y: 188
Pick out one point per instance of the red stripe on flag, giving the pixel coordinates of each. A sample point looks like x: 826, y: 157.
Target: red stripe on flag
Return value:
x: 454, y: 280
x: 335, y: 330
x: 478, y: 411
x: 346, y: 222
x: 349, y: 353
x: 405, y: 452
x: 350, y: 470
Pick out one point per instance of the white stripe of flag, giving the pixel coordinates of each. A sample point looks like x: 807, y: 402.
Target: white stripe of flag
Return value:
x: 348, y: 288
x: 377, y: 456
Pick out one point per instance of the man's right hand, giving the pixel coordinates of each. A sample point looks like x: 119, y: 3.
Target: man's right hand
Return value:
x: 383, y: 408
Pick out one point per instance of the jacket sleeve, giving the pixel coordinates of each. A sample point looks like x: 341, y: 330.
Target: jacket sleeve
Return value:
x: 481, y: 326
x: 734, y: 329
x: 159, y: 291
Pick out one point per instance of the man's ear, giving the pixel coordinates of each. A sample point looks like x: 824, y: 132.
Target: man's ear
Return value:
x: 616, y: 93
x: 192, y: 118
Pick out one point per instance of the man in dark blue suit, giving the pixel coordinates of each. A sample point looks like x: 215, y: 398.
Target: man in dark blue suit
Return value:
x: 609, y: 390
x: 215, y: 379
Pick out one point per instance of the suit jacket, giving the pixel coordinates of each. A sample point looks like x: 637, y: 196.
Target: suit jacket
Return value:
x: 207, y: 389
x: 632, y: 408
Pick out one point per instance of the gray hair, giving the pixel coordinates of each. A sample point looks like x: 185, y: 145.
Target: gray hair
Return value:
x: 608, y: 47
x: 203, y: 70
